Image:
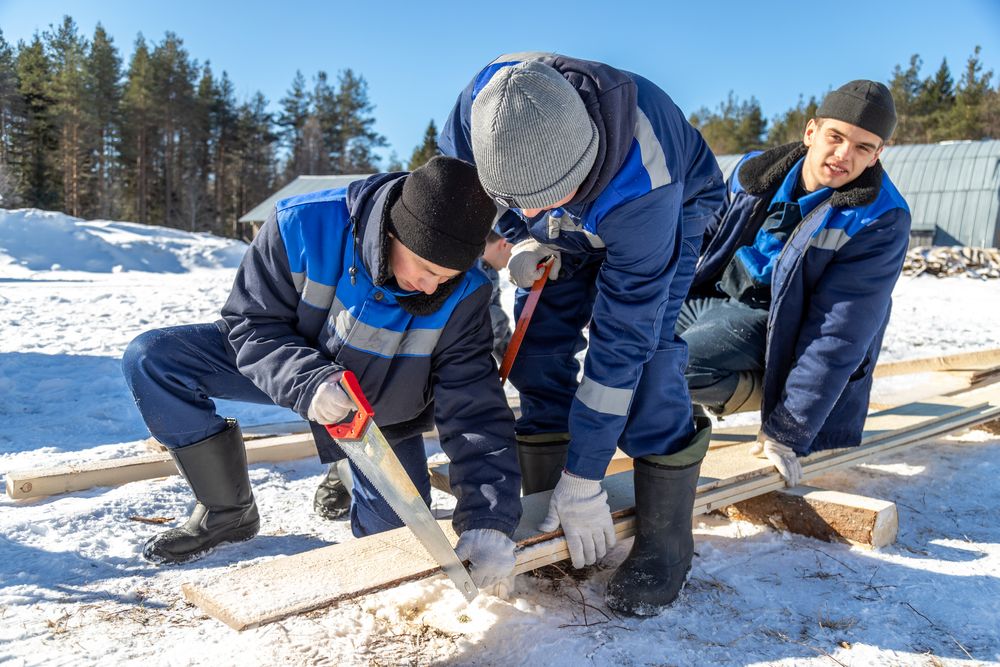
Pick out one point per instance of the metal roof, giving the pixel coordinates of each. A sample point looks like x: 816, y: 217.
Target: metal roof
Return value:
x: 953, y: 188
x: 300, y: 186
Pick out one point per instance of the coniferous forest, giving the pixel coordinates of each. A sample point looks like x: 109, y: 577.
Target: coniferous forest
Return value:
x: 162, y: 139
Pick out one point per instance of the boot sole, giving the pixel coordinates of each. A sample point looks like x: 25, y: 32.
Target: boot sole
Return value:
x: 237, y: 536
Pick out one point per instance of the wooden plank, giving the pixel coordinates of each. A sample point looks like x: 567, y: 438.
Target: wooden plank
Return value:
x: 831, y: 516
x: 969, y: 361
x: 270, y: 590
x: 78, y: 477
x: 254, y: 432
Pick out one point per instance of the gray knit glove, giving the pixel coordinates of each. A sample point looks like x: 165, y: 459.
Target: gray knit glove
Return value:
x: 524, y: 261
x: 490, y: 554
x: 782, y: 456
x: 581, y: 507
x: 330, y: 404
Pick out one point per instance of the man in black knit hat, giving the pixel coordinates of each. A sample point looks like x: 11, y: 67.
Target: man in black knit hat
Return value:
x: 377, y: 278
x: 800, y: 271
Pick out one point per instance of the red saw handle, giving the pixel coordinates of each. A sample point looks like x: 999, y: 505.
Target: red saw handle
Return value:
x: 354, y: 429
x: 524, y: 319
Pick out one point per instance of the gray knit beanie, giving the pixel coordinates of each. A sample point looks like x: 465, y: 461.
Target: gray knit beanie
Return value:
x: 866, y: 104
x: 533, y: 141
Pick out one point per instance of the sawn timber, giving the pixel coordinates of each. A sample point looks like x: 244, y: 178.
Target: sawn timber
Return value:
x: 959, y: 371
x: 268, y: 591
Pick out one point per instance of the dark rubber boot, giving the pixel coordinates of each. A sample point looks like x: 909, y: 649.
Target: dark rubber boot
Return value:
x: 656, y: 568
x: 216, y: 469
x: 333, y: 497
x: 541, y: 464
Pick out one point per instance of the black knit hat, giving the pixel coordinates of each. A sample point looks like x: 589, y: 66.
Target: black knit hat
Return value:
x: 867, y: 104
x: 443, y: 214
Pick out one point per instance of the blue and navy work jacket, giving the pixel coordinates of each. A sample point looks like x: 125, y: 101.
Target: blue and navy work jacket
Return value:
x: 305, y: 304
x: 654, y: 184
x: 830, y: 294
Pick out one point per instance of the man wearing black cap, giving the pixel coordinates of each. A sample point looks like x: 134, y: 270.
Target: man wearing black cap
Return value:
x: 799, y: 272
x: 377, y: 278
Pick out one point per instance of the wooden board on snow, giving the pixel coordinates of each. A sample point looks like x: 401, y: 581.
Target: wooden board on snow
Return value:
x: 67, y: 478
x: 980, y: 360
x: 831, y: 516
x: 271, y: 590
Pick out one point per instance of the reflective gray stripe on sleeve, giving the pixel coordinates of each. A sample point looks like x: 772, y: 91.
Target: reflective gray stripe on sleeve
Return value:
x: 318, y: 294
x: 383, y: 342
x: 299, y: 280
x: 830, y: 239
x: 607, y: 400
x: 653, y: 158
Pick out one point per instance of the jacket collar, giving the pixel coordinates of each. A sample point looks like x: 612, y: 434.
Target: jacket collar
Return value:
x: 762, y: 174
x: 369, y: 207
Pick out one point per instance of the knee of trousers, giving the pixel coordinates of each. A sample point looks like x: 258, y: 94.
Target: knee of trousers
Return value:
x: 142, y: 357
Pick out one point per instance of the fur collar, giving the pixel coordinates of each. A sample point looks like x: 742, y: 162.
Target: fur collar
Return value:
x: 762, y: 175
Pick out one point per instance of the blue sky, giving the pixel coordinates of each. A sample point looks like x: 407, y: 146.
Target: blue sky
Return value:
x: 416, y: 56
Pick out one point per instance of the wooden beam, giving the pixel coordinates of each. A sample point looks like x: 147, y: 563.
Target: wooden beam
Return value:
x: 78, y: 477
x: 254, y: 432
x: 270, y: 590
x: 980, y: 360
x: 831, y: 516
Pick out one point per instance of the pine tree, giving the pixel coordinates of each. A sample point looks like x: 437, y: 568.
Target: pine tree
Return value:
x: 426, y: 150
x: 104, y: 100
x: 11, y: 117
x: 906, y: 88
x: 173, y: 103
x: 199, y: 135
x: 255, y: 157
x: 292, y: 121
x: 36, y: 136
x: 225, y: 135
x: 968, y: 119
x: 357, y: 134
x: 70, y: 83
x: 791, y: 125
x: 139, y: 133
x: 735, y: 127
x: 328, y: 122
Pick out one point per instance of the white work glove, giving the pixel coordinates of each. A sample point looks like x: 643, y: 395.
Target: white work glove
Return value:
x: 581, y: 506
x: 782, y: 456
x: 490, y: 554
x: 330, y: 404
x: 524, y: 260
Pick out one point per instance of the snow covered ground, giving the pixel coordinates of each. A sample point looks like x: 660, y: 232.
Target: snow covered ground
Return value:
x: 74, y: 591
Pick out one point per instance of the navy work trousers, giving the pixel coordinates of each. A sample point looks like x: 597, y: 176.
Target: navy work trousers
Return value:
x: 724, y: 337
x: 175, y: 372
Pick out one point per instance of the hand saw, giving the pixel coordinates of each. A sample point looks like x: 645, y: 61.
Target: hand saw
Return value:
x: 522, y: 322
x: 370, y: 452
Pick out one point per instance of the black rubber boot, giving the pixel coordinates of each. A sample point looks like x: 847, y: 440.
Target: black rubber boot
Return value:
x: 216, y: 469
x: 542, y: 463
x: 333, y: 496
x: 656, y: 568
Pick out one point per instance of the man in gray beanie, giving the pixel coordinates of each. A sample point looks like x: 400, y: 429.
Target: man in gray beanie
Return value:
x: 800, y: 271
x: 597, y: 168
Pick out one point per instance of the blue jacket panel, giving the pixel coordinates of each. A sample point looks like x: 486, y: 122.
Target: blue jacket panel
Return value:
x: 655, y: 181
x: 308, y: 300
x: 831, y: 296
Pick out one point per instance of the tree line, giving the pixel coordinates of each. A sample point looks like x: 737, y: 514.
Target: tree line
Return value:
x: 163, y: 140
x: 929, y: 109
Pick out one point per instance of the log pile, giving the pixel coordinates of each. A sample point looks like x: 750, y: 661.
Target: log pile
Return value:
x: 943, y: 261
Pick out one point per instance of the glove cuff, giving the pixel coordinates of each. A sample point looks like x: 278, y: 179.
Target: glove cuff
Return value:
x: 579, y: 487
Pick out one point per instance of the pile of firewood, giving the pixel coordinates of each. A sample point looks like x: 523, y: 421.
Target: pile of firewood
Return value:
x: 944, y: 261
